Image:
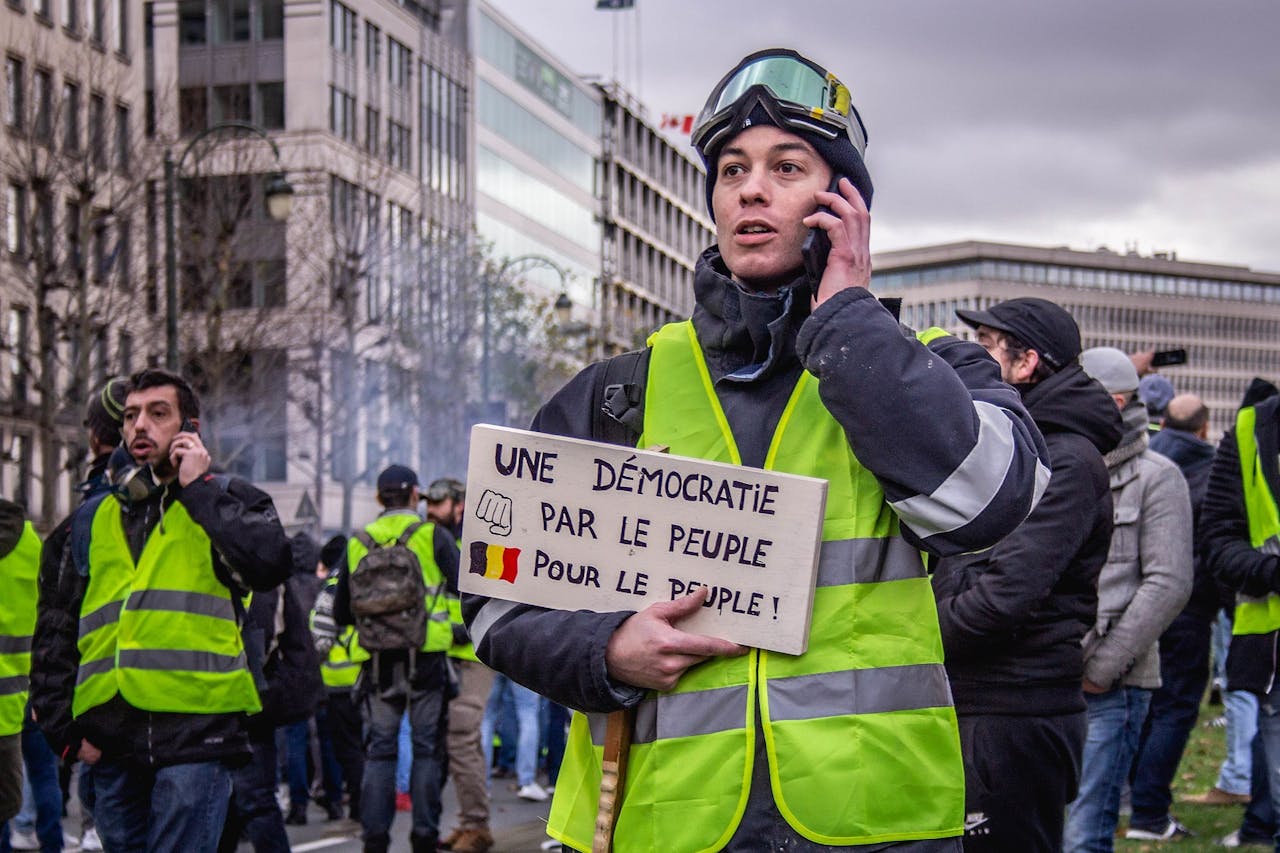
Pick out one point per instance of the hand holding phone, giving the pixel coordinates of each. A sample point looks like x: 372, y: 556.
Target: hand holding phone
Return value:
x: 817, y: 245
x: 1166, y: 357
x: 187, y: 453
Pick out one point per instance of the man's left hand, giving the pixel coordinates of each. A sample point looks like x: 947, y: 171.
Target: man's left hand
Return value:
x: 1090, y: 687
x: 848, y: 227
x: 188, y: 455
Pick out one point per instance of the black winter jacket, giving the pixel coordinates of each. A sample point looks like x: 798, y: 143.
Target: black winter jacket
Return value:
x: 250, y: 551
x: 1224, y: 536
x: 1194, y: 458
x: 1013, y: 617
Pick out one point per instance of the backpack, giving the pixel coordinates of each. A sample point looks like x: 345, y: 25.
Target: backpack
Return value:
x: 388, y: 594
x: 282, y: 658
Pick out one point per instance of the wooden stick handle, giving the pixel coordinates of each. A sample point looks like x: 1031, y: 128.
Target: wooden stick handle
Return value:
x: 613, y: 777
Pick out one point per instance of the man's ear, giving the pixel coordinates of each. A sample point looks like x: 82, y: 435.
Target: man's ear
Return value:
x: 1025, y: 367
x: 195, y: 424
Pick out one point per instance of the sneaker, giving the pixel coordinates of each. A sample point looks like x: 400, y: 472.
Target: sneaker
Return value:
x: 69, y: 841
x: 403, y: 802
x: 332, y: 811
x: 1215, y: 796
x: 477, y: 840
x: 1172, y: 831
x: 1234, y: 840
x: 23, y: 839
x: 533, y: 791
x: 90, y: 841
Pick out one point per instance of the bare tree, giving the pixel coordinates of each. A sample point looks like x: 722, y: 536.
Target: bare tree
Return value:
x: 76, y: 169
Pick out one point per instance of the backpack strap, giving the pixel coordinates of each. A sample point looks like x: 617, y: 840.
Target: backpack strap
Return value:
x: 617, y: 412
x: 363, y: 537
x: 408, y: 533
x: 81, y: 530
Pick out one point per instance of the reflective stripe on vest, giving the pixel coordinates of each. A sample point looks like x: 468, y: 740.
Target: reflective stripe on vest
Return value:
x: 387, y: 528
x: 18, y: 572
x: 342, y: 667
x: 174, y: 648
x: 1256, y: 615
x: 868, y: 705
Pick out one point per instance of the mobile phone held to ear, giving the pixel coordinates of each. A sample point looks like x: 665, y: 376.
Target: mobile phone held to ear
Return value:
x: 817, y: 246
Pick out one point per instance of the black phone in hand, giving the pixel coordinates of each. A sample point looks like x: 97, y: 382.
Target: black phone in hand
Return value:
x: 817, y: 245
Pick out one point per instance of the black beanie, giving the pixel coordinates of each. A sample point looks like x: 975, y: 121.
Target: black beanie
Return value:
x: 839, y: 153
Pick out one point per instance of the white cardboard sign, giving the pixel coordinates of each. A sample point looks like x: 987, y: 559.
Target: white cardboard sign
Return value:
x: 579, y: 525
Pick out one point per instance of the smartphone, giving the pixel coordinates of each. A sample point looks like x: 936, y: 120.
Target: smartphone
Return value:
x: 187, y: 426
x: 164, y: 467
x: 1166, y: 357
x: 817, y: 246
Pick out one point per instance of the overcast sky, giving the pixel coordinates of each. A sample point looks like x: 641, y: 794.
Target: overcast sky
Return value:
x: 1153, y: 123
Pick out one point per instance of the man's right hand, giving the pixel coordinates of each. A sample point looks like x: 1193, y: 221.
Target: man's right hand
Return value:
x: 88, y: 753
x: 648, y: 650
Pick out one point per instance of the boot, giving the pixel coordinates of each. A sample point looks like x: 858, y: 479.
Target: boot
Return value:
x: 297, y: 815
x: 422, y: 843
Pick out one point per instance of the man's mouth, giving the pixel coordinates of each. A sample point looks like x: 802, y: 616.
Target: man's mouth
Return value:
x: 754, y: 228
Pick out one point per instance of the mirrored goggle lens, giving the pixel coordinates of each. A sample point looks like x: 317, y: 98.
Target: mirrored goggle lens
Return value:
x: 787, y: 79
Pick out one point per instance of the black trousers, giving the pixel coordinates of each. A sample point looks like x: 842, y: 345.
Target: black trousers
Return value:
x: 342, y: 725
x: 1019, y: 774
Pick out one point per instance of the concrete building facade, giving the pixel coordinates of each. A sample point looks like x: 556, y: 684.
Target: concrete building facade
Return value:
x: 1226, y: 317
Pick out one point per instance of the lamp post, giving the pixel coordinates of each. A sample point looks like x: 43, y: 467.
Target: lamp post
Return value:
x: 279, y: 200
x: 510, y: 263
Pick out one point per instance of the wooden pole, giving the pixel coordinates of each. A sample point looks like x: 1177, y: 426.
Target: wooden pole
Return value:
x: 613, y: 777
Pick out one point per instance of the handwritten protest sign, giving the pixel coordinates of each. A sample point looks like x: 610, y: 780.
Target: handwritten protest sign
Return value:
x: 579, y: 525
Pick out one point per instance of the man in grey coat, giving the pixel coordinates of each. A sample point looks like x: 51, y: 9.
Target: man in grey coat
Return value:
x: 1142, y: 587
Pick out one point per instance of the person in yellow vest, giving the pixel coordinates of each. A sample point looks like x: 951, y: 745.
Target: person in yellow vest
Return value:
x: 852, y: 745
x: 446, y: 507
x: 19, y: 566
x: 1240, y: 535
x: 140, y: 632
x: 395, y: 680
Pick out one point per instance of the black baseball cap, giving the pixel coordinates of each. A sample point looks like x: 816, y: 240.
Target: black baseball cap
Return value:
x: 397, y: 478
x: 1044, y: 326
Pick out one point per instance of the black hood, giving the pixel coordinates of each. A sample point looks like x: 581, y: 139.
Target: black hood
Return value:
x: 745, y: 335
x: 1072, y: 401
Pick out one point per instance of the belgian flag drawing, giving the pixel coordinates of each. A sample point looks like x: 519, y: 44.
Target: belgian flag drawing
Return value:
x: 494, y: 561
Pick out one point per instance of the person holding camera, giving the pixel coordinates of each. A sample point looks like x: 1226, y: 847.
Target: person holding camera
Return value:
x: 141, y: 668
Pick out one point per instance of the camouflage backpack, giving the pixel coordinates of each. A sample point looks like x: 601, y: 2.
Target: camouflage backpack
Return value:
x: 388, y: 592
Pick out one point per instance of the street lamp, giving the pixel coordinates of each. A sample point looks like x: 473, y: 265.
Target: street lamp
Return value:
x: 279, y: 201
x: 530, y: 260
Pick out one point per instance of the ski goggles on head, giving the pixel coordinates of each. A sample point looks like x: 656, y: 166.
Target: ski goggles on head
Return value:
x: 796, y: 93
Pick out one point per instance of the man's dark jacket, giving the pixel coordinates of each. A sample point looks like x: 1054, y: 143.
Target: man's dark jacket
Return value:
x: 250, y: 551
x: 1224, y: 536
x: 1194, y: 458
x: 1013, y: 617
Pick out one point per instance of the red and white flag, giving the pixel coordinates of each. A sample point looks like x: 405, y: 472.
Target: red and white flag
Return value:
x: 677, y: 122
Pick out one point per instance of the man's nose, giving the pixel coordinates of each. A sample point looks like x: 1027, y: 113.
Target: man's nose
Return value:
x: 754, y: 187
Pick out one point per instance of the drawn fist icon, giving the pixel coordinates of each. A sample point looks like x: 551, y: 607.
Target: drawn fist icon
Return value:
x: 495, y: 510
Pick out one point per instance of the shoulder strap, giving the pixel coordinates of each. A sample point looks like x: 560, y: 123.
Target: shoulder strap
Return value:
x: 363, y: 537
x: 408, y: 532
x: 617, y: 411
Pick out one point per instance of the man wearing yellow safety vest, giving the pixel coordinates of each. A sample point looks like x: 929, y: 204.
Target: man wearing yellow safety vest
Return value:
x: 787, y: 365
x: 446, y: 506
x: 19, y: 565
x: 140, y: 636
x: 394, y: 680
x: 1240, y: 531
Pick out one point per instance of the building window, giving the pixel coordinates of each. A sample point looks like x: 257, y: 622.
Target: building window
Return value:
x: 193, y: 110
x: 231, y: 103
x: 122, y: 138
x: 231, y: 21
x: 71, y: 15
x: 42, y: 92
x: 271, y: 105
x: 123, y: 262
x: 372, y: 130
x: 98, y: 130
x: 120, y: 14
x: 96, y: 22
x: 342, y: 28
x: 15, y: 90
x: 43, y: 10
x: 342, y: 114
x: 398, y: 58
x: 372, y: 48
x: 71, y: 117
x: 15, y: 218
x: 192, y: 28
x: 272, y: 12
x: 399, y: 145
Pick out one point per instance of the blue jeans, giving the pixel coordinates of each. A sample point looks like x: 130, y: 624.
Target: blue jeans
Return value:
x: 42, y: 776
x: 527, y: 740
x: 382, y: 715
x: 297, y: 738
x: 177, y: 809
x: 1115, y: 725
x: 1269, y: 732
x: 1259, y: 821
x: 554, y: 718
x: 1184, y: 671
x: 254, y: 803
x: 404, y: 755
x: 1241, y: 710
